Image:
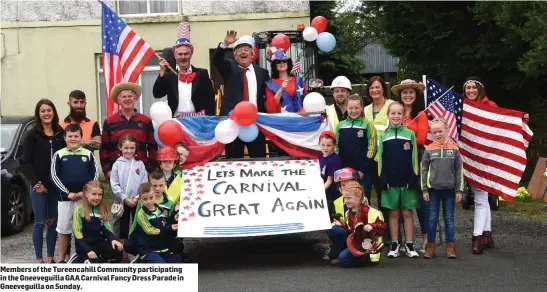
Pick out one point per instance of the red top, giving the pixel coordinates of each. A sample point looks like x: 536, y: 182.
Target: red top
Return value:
x: 420, y: 127
x: 273, y: 107
x: 485, y: 100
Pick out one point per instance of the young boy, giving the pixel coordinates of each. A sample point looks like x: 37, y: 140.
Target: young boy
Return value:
x: 329, y: 162
x: 366, y: 222
x: 71, y: 169
x: 168, y: 159
x: 154, y: 230
x: 184, y: 151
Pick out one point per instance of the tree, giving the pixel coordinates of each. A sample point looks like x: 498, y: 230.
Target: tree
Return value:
x: 350, y: 42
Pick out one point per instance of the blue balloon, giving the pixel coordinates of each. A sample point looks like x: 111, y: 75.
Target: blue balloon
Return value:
x: 326, y: 41
x: 248, y: 134
x: 160, y: 144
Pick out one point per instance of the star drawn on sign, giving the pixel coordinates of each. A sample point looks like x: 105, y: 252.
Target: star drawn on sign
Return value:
x: 300, y: 90
x: 192, y: 214
x: 186, y: 207
x: 187, y: 189
x: 186, y: 181
x: 184, y: 219
x: 200, y: 192
x: 198, y: 179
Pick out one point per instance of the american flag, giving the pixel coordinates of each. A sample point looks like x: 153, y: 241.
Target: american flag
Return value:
x: 125, y: 54
x: 446, y: 104
x: 493, y: 145
x: 296, y: 66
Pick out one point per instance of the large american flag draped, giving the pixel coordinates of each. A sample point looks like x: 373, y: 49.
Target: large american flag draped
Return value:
x: 446, y: 104
x: 492, y: 141
x: 125, y: 54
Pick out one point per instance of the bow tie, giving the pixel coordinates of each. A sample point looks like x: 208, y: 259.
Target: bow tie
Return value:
x: 187, y: 77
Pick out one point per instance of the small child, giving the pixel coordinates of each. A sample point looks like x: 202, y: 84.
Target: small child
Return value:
x: 329, y: 162
x: 442, y: 180
x: 168, y: 159
x: 184, y: 151
x: 71, y: 169
x: 361, y: 219
x: 155, y: 232
x: 398, y: 169
x: 91, y: 228
x: 356, y: 142
x: 127, y: 175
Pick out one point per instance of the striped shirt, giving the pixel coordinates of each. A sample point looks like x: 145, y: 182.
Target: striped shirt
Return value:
x: 140, y: 127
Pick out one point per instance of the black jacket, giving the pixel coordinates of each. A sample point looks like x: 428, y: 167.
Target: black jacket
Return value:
x: 233, y: 82
x: 203, y: 97
x: 37, y: 153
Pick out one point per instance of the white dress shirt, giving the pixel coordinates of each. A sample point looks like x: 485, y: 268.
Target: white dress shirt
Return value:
x: 251, y: 80
x: 185, y: 95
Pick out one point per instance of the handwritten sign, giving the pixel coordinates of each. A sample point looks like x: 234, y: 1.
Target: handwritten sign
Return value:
x: 252, y: 198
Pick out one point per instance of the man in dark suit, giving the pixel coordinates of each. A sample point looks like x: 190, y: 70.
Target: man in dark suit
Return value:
x: 190, y: 92
x: 239, y: 86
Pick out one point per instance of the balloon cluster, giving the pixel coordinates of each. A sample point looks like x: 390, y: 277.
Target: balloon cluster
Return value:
x: 240, y: 124
x: 316, y: 32
x: 167, y: 132
x: 251, y: 40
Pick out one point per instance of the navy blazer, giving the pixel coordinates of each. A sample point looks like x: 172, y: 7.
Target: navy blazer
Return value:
x: 232, y: 74
x: 203, y: 97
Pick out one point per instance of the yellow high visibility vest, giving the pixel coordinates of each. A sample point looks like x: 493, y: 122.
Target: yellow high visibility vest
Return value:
x: 380, y: 122
x: 332, y: 116
x: 174, y: 190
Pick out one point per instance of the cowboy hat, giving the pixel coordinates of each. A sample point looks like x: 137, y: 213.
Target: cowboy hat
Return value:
x: 125, y: 86
x: 407, y: 83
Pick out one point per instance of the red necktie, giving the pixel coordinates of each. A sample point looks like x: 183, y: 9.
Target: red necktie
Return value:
x: 245, y: 85
x: 187, y: 77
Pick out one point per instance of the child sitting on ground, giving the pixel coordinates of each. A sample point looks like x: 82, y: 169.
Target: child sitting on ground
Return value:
x: 91, y: 228
x: 366, y: 222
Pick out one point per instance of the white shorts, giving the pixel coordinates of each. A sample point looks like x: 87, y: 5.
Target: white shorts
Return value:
x: 65, y: 211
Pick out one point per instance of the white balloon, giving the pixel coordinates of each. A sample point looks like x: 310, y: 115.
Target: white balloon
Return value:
x: 309, y: 34
x: 160, y: 112
x: 154, y: 124
x: 226, y: 131
x: 314, y: 102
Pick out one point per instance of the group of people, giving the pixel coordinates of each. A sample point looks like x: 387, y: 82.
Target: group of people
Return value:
x: 379, y: 145
x: 383, y: 145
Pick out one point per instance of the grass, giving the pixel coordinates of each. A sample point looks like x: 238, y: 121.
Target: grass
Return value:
x: 531, y: 208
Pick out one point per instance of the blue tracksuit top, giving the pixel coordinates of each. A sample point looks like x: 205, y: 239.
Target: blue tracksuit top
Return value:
x: 71, y: 171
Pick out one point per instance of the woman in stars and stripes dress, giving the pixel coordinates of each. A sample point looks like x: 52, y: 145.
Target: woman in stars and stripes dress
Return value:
x: 285, y: 92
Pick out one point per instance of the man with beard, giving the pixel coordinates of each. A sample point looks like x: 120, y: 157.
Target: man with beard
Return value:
x: 341, y: 89
x: 189, y: 93
x: 91, y: 138
x: 243, y: 81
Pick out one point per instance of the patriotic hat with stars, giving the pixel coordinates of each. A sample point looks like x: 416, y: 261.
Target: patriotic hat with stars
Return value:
x: 279, y: 55
x: 183, y: 36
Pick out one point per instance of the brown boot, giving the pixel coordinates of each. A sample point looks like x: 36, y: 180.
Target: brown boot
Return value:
x: 487, y: 240
x: 477, y: 244
x: 430, y: 250
x: 450, y: 250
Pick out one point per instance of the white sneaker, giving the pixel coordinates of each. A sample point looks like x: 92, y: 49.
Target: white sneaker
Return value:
x: 326, y: 257
x: 394, y: 252
x: 410, y: 252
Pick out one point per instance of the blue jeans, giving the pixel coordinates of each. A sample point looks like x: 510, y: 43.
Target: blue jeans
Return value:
x: 339, y: 248
x: 448, y: 197
x: 45, y: 209
x: 160, y: 258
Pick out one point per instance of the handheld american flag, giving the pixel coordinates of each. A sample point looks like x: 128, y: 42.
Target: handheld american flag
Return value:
x: 296, y: 66
x: 125, y: 54
x: 446, y: 104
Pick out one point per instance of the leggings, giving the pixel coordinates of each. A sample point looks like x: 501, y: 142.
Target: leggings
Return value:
x: 104, y: 252
x: 483, y: 217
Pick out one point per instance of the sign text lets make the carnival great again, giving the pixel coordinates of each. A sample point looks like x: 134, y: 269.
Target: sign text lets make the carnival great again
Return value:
x: 251, y: 198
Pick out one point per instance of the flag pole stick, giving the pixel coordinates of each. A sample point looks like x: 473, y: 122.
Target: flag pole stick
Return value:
x: 168, y: 66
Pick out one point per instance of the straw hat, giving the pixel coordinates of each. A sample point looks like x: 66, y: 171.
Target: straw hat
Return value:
x: 407, y: 83
x: 125, y: 86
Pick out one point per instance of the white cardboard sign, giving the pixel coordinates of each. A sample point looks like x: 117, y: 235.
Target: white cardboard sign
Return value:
x: 252, y: 198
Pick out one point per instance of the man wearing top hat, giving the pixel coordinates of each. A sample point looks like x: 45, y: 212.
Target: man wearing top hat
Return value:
x: 243, y: 81
x: 189, y: 93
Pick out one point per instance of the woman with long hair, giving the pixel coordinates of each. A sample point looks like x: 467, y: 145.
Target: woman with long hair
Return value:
x: 415, y: 119
x: 40, y: 143
x: 285, y: 91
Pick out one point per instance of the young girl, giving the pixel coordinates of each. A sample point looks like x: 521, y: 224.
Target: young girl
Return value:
x: 91, y: 228
x: 126, y: 177
x: 442, y: 180
x: 329, y: 162
x: 398, y: 168
x: 356, y: 142
x: 183, y: 150
x: 361, y: 219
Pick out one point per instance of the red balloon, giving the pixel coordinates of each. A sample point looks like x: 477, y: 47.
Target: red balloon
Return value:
x: 170, y: 133
x: 244, y: 114
x: 281, y: 41
x: 255, y: 54
x: 319, y: 23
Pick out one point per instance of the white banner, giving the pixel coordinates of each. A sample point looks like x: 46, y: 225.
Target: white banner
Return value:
x: 252, y: 198
x: 98, y: 277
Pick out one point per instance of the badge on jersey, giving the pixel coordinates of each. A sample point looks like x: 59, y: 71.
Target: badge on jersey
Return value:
x: 406, y: 146
x: 360, y: 134
x: 450, y: 152
x: 84, y: 159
